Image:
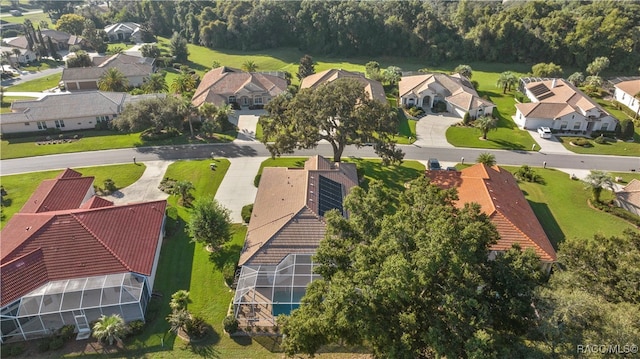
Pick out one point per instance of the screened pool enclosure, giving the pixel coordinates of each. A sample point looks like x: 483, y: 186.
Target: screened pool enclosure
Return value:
x: 265, y: 291
x: 75, y: 301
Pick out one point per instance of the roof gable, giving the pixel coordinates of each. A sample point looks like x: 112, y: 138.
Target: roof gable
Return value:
x: 67, y: 191
x: 373, y: 88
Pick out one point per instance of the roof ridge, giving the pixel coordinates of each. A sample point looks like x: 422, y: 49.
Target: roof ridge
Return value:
x: 126, y: 265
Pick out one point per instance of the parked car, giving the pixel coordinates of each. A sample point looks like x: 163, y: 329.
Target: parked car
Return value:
x: 15, y: 12
x: 544, y: 132
x: 434, y: 165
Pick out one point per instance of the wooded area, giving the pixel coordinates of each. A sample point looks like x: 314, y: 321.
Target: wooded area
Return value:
x: 568, y: 33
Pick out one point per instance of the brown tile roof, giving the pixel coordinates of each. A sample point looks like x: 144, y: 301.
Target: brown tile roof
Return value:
x: 220, y: 83
x: 630, y: 193
x: 499, y: 196
x: 544, y: 109
x: 373, y: 88
x: 97, y: 239
x: 631, y: 87
x: 286, y: 214
x: 67, y: 191
x: 457, y: 90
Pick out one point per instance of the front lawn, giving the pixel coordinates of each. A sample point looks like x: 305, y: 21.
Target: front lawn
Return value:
x: 561, y: 206
x: 92, y: 140
x: 37, y: 85
x: 619, y: 148
x: 20, y: 187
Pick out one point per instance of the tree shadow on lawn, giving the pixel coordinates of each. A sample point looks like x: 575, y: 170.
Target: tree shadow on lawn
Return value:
x: 507, y: 144
x: 67, y: 135
x: 392, y: 176
x: 224, y: 255
x: 548, y: 222
x: 206, y: 347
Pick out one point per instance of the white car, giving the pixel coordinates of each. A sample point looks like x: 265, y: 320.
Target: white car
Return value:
x: 544, y: 132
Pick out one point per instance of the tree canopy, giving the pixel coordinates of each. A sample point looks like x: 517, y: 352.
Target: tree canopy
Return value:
x: 209, y: 223
x: 71, y: 23
x: 546, y: 70
x: 156, y: 114
x: 413, y: 281
x: 178, y: 47
x: 307, y: 67
x: 339, y: 112
x: 113, y: 80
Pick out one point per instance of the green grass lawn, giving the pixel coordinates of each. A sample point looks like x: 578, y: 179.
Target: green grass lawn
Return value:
x: 43, y: 64
x: 123, y: 45
x: 5, y: 107
x: 20, y: 187
x: 37, y: 85
x: 561, y: 206
x: 35, y: 19
x: 619, y: 148
x: 92, y: 140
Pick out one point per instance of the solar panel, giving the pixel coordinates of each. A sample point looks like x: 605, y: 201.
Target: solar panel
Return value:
x: 539, y: 89
x: 330, y: 196
x: 545, y: 95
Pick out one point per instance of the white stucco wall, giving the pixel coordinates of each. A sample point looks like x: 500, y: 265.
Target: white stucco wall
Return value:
x: 627, y: 100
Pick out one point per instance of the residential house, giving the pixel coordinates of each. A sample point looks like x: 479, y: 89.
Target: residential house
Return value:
x: 285, y: 229
x: 629, y: 197
x: 225, y: 85
x: 136, y: 69
x: 500, y: 198
x: 456, y: 91
x: 69, y: 257
x: 559, y: 105
x: 60, y: 39
x: 66, y: 112
x: 373, y: 88
x: 124, y: 32
x: 25, y: 56
x: 627, y: 92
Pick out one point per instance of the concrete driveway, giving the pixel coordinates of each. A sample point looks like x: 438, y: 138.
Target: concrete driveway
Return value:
x: 247, y: 121
x: 144, y: 189
x: 549, y: 145
x: 237, y: 189
x: 431, y: 130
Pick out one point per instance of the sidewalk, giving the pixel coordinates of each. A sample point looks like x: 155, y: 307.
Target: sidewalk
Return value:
x: 146, y: 188
x: 237, y: 189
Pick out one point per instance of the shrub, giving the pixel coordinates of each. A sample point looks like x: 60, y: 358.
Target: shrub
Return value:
x: 230, y: 324
x: 525, y: 173
x: 229, y: 272
x: 246, y: 212
x: 582, y: 142
x: 196, y: 327
x: 9, y: 33
x: 466, y: 120
x: 627, y: 130
x: 136, y: 327
x: 440, y: 106
x: 110, y: 186
x: 602, y: 140
x: 67, y: 332
x: 256, y: 180
x: 17, y: 350
x: 56, y: 343
x: 43, y: 346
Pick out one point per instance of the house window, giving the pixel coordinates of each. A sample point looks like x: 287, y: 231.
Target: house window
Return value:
x: 100, y: 119
x: 604, y: 127
x: 27, y: 124
x: 232, y: 99
x: 257, y: 101
x: 573, y: 116
x: 59, y: 123
x: 245, y: 101
x: 577, y: 125
x: 564, y: 125
x: 42, y: 125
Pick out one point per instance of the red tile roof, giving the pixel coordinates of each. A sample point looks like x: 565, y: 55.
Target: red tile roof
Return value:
x: 94, y: 240
x: 67, y: 191
x: 499, y: 196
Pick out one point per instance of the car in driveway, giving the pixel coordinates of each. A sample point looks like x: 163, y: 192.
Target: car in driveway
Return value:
x: 434, y: 164
x: 544, y: 132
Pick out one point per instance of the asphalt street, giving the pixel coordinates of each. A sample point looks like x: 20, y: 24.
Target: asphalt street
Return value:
x: 234, y: 150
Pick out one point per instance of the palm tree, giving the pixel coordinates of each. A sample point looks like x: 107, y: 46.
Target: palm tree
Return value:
x: 178, y: 319
x: 188, y: 110
x: 155, y: 83
x: 486, y: 158
x: 182, y: 189
x: 392, y: 74
x: 17, y: 53
x: 486, y: 124
x: 249, y: 66
x: 224, y: 112
x: 507, y: 80
x: 208, y: 112
x: 110, y: 329
x: 596, y: 181
x: 179, y: 299
x: 464, y: 70
x: 183, y: 83
x: 113, y: 80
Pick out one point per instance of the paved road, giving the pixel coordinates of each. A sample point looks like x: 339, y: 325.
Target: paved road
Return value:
x: 234, y: 150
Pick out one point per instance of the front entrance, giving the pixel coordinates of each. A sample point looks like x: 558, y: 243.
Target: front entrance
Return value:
x: 426, y: 102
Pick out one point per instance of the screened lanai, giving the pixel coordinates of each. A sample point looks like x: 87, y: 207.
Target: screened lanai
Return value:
x: 75, y: 301
x: 265, y: 291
